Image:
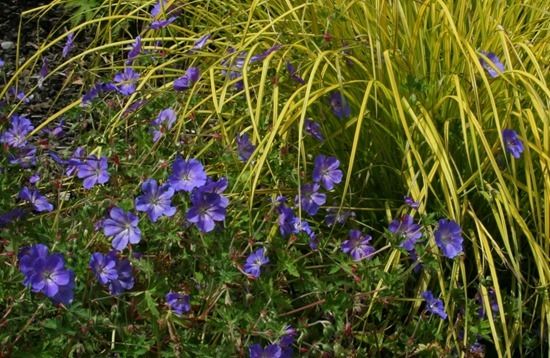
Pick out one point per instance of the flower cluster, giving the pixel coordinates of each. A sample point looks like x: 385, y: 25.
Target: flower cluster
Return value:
x: 112, y: 272
x: 289, y: 224
x: 208, y: 204
x: 46, y: 273
x: 326, y: 174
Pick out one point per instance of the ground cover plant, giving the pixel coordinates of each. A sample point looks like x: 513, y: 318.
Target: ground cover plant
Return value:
x: 277, y: 178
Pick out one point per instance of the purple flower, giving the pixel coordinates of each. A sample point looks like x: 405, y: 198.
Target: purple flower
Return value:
x: 187, y: 175
x: 492, y: 301
x: 116, y: 274
x: 95, y: 91
x: 38, y: 201
x: 163, y: 123
x: 357, y: 246
x: 125, y: 279
x: 326, y: 171
x: 76, y: 159
x: 286, y: 341
x: 411, y: 203
x: 406, y: 229
x: 134, y: 51
x: 122, y: 226
x: 477, y: 349
x: 88, y: 97
x: 263, y: 55
x: 293, y: 74
x: 201, y: 42
x: 16, y: 136
x: 10, y: 216
x: 217, y: 187
x: 206, y: 209
x: 303, y: 226
x: 495, y: 67
x: 271, y: 351
x: 49, y: 275
x: 135, y: 106
x: 54, y: 132
x: 24, y: 157
x: 245, y: 148
x: 68, y: 45
x: 27, y: 258
x: 254, y: 262
x: 178, y: 303
x: 186, y: 81
x: 44, y: 68
x: 340, y: 106
x: 417, y: 265
x: 93, y: 171
x: 155, y: 201
x: 514, y: 145
x: 125, y: 81
x: 448, y: 237
x: 338, y: 216
x: 1, y: 63
x: 313, y: 129
x: 65, y: 294
x: 159, y: 24
x: 434, y: 305
x: 233, y: 68
x: 20, y: 95
x: 43, y: 72
x: 104, y: 267
x: 286, y: 220
x: 310, y: 199
x: 290, y: 224
x: 158, y: 8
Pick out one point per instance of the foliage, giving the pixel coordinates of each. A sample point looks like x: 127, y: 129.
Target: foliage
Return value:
x: 426, y: 121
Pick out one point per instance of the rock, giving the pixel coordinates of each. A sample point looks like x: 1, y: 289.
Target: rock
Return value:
x: 7, y: 45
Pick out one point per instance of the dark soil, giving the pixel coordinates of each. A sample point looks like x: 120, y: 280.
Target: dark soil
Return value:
x: 34, y: 32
